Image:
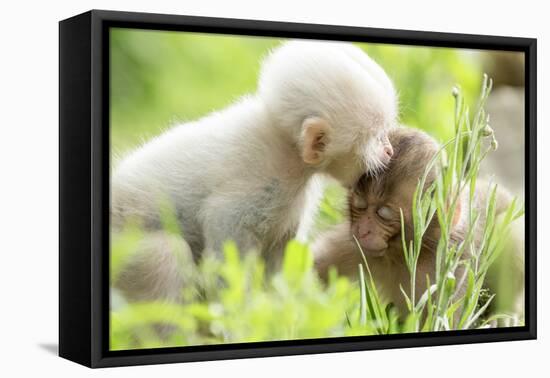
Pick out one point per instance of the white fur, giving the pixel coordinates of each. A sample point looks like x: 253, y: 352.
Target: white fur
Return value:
x: 335, y: 81
x: 238, y: 173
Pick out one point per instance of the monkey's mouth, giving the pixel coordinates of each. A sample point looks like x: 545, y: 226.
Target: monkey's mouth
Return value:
x: 370, y: 247
x: 369, y: 251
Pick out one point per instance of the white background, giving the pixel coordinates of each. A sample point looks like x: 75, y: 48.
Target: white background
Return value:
x: 29, y: 186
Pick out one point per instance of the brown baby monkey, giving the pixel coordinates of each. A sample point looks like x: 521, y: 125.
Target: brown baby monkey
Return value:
x: 375, y: 224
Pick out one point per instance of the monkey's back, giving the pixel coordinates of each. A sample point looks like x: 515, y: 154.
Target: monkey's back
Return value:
x: 203, y: 167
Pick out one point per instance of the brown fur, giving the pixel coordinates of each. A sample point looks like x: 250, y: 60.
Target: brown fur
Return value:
x: 394, y: 189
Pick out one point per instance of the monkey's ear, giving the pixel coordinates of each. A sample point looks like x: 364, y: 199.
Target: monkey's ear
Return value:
x: 315, y: 137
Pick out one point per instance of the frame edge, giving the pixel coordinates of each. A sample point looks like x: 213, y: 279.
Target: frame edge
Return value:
x: 75, y: 336
x: 96, y: 92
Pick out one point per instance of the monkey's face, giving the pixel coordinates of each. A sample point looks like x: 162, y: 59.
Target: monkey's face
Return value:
x: 376, y: 200
x: 375, y: 214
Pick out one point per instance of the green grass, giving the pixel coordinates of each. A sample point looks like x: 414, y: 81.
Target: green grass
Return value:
x: 447, y: 303
x: 236, y: 301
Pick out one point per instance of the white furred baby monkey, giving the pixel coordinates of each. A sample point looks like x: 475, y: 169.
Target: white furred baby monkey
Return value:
x: 241, y: 173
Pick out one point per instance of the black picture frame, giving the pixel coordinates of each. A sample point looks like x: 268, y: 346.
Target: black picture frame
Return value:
x: 84, y: 187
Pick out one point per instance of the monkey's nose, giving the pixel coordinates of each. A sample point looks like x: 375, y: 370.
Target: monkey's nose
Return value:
x: 388, y: 151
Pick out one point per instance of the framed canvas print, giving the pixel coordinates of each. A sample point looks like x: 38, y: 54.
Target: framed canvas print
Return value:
x: 234, y: 188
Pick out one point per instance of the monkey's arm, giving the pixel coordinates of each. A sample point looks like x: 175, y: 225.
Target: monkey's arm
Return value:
x: 337, y: 248
x: 256, y: 217
x: 225, y: 216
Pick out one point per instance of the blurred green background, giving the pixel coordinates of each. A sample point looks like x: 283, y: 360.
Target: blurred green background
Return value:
x: 161, y: 78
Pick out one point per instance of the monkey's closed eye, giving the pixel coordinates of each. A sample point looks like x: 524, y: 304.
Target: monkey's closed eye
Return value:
x: 359, y: 202
x: 385, y: 213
